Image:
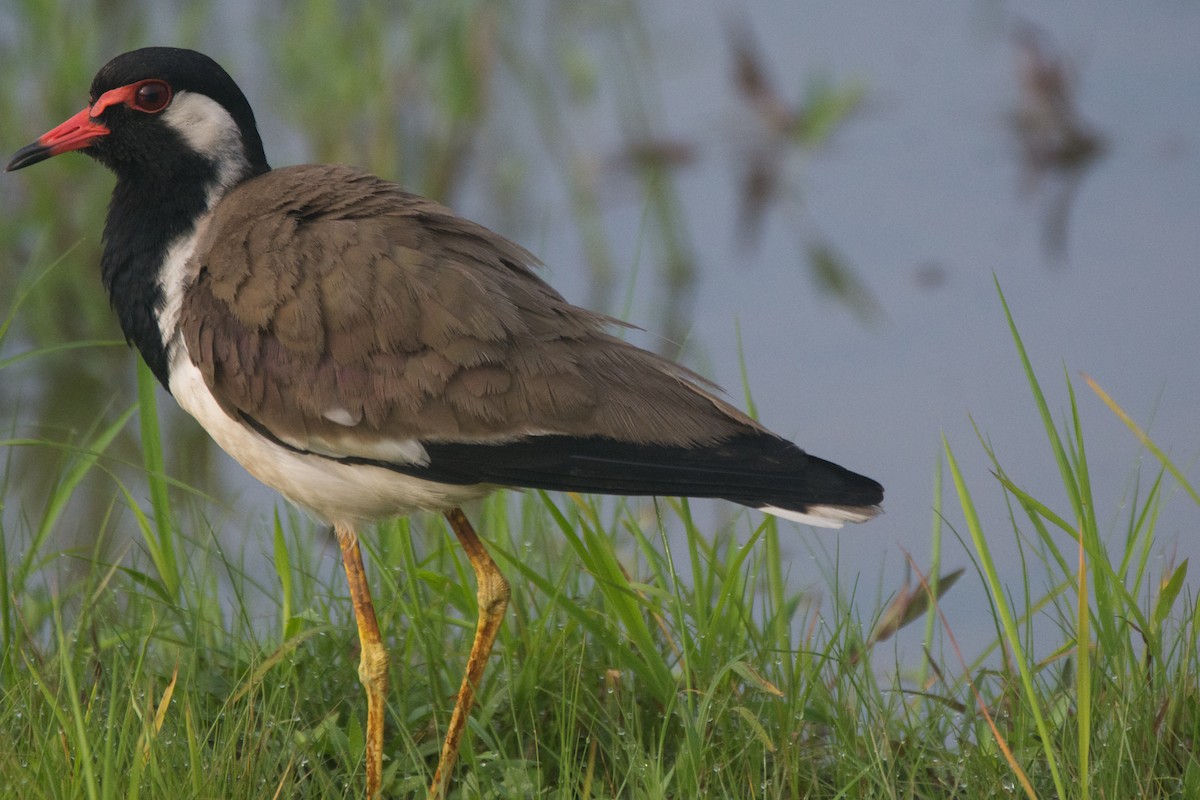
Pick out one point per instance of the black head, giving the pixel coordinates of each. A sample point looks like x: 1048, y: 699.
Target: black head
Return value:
x: 179, y: 134
x: 160, y: 112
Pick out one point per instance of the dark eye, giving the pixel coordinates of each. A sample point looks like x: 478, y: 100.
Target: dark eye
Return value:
x: 151, y: 96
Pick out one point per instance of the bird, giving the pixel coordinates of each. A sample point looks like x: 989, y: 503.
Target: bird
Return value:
x: 369, y: 354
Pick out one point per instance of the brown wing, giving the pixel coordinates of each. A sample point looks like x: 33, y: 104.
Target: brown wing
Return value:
x: 337, y: 312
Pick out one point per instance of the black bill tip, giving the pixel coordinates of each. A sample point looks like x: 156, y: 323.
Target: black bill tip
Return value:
x: 28, y: 155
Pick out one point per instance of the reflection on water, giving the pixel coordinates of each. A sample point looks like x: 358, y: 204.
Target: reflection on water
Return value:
x: 788, y: 130
x: 1057, y: 146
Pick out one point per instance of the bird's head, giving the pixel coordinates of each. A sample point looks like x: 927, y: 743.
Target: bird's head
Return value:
x: 160, y: 113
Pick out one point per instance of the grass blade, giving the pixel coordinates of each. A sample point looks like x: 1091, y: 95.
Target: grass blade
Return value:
x: 162, y: 540
x: 1008, y: 627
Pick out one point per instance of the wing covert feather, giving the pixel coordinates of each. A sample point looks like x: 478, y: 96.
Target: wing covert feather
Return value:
x: 333, y: 308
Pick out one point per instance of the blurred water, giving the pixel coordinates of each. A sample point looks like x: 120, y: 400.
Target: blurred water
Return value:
x: 922, y: 194
x: 929, y: 178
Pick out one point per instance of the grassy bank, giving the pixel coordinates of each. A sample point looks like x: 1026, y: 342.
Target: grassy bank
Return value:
x: 170, y: 671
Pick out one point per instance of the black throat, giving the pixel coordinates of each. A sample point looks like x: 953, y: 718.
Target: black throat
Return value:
x: 145, y: 217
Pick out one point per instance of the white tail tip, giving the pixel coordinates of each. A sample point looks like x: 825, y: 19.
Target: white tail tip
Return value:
x: 825, y: 516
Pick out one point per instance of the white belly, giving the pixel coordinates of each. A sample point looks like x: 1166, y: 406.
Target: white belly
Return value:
x: 333, y: 492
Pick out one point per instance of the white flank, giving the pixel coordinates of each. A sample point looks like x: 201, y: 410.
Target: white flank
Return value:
x: 395, y: 451
x: 174, y: 277
x: 823, y: 516
x: 329, y: 490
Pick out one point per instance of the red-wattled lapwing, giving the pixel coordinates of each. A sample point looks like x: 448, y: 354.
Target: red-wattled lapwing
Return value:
x: 369, y: 354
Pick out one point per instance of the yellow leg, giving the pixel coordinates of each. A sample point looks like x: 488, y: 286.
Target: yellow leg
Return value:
x: 493, y: 601
x: 373, y: 659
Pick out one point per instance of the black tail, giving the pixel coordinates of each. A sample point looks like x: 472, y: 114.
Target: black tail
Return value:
x: 755, y: 469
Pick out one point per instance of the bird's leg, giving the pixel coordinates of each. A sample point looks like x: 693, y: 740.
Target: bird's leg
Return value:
x: 493, y: 601
x: 373, y: 658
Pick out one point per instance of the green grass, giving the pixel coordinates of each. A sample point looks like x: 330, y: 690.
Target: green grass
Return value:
x: 169, y: 671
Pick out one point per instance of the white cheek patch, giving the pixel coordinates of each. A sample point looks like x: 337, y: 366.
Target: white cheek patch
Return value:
x: 209, y: 130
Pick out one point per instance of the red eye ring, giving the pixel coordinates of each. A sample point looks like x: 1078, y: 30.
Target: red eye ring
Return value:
x: 150, y: 96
